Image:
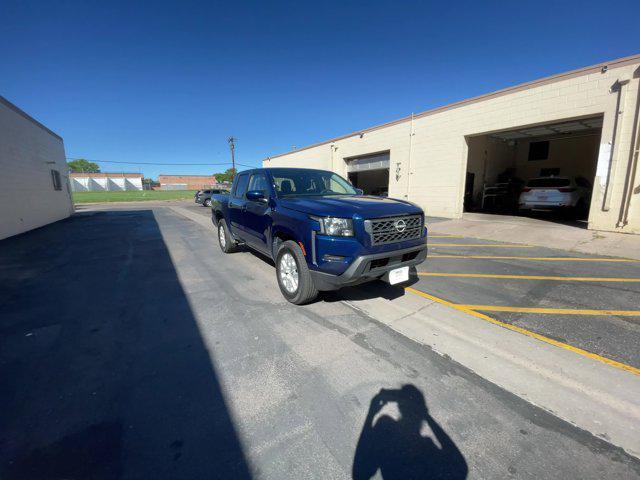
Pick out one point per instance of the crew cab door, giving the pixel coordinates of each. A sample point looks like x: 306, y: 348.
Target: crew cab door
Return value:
x: 257, y: 214
x: 237, y: 206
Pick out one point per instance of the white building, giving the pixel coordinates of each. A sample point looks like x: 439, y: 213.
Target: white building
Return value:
x: 34, y: 184
x: 580, y: 123
x: 105, y: 182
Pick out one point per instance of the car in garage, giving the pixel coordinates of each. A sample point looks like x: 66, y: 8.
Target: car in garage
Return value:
x: 321, y: 232
x: 203, y: 197
x: 555, y: 194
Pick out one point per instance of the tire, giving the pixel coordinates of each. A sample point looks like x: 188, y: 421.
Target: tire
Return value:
x: 290, y: 257
x: 581, y: 209
x: 207, y: 202
x: 227, y: 244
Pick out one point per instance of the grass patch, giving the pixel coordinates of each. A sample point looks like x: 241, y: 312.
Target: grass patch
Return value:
x: 132, y: 196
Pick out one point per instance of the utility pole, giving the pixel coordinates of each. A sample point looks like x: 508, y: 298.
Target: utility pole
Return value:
x: 232, y: 146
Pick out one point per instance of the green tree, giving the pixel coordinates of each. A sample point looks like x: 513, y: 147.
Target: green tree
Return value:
x: 227, y: 176
x: 83, y: 166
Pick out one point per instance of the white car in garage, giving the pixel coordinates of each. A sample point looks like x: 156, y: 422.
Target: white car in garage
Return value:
x: 555, y: 193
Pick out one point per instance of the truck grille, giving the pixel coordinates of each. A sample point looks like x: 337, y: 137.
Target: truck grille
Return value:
x: 394, y: 229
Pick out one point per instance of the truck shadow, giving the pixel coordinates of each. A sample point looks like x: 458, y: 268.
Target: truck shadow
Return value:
x: 105, y: 373
x: 369, y: 290
x: 398, y: 447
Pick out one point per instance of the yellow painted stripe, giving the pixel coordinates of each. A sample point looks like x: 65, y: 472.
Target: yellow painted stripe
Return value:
x: 529, y: 277
x: 554, y: 311
x: 541, y: 259
x: 478, y: 245
x: 446, y: 236
x: 524, y: 331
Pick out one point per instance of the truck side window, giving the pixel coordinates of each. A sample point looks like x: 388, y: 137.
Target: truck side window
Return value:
x: 259, y: 182
x: 241, y: 186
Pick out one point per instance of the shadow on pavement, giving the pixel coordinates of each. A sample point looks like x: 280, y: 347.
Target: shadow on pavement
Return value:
x: 374, y: 289
x: 105, y: 374
x: 398, y: 447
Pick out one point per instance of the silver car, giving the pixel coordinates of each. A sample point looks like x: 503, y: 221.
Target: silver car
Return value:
x: 555, y: 193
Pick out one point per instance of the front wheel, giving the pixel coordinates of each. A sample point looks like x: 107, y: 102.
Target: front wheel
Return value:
x: 227, y: 244
x: 294, y: 279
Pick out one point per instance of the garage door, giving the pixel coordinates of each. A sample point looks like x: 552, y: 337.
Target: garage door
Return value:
x: 378, y: 161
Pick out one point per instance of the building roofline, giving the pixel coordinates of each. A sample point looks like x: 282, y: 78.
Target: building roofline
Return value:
x: 617, y: 63
x: 183, y: 175
x: 86, y: 174
x: 24, y: 114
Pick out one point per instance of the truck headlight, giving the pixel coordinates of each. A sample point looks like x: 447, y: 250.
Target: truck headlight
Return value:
x: 336, y: 227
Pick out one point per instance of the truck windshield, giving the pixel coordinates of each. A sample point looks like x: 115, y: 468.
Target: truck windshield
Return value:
x: 290, y: 182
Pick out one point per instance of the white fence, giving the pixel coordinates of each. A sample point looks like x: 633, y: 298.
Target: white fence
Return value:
x: 105, y: 184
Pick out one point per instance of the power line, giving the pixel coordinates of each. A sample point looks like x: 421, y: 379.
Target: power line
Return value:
x: 161, y: 164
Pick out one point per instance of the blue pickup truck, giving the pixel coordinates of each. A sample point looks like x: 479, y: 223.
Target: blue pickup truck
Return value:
x: 321, y: 232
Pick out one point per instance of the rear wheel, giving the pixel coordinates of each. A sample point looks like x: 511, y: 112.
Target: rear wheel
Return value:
x: 294, y: 279
x: 207, y: 202
x: 582, y: 209
x: 227, y: 244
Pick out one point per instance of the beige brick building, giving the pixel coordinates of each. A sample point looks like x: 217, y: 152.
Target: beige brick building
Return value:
x: 34, y: 182
x: 586, y: 120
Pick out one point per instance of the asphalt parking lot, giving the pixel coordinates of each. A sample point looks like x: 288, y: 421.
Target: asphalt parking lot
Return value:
x: 584, y: 301
x: 132, y: 348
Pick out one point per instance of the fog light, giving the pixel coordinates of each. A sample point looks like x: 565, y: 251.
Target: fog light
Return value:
x: 332, y: 258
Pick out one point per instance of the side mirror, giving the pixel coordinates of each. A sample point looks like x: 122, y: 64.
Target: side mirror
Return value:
x: 255, y: 196
x: 359, y: 191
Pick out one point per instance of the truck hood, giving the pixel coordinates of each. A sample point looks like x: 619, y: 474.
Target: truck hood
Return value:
x: 346, y: 206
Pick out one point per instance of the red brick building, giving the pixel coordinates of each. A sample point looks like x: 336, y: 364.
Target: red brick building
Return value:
x: 186, y: 182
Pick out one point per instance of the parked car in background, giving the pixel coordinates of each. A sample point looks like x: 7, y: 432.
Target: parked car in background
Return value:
x: 555, y: 193
x: 321, y: 232
x: 203, y: 197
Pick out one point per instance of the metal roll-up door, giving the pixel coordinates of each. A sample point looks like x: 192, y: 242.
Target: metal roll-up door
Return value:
x: 378, y: 161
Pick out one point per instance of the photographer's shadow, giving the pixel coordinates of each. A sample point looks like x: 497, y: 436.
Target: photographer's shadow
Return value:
x: 399, y: 448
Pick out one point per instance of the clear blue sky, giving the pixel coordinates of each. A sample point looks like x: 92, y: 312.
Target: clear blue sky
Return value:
x: 169, y: 82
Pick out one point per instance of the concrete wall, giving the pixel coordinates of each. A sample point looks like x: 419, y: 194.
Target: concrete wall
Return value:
x: 28, y: 153
x: 428, y: 153
x: 574, y: 156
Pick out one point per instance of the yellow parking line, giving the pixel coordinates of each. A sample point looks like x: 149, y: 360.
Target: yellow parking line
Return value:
x: 523, y: 331
x: 478, y: 245
x: 446, y: 236
x: 554, y: 311
x: 541, y: 259
x: 529, y: 277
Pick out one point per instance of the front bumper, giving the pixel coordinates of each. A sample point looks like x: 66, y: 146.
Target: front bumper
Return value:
x: 546, y: 206
x: 370, y: 267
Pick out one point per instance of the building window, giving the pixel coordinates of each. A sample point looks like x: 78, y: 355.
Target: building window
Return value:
x: 538, y: 151
x: 55, y: 178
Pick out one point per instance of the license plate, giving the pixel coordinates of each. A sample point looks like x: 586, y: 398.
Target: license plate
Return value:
x: 398, y: 275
